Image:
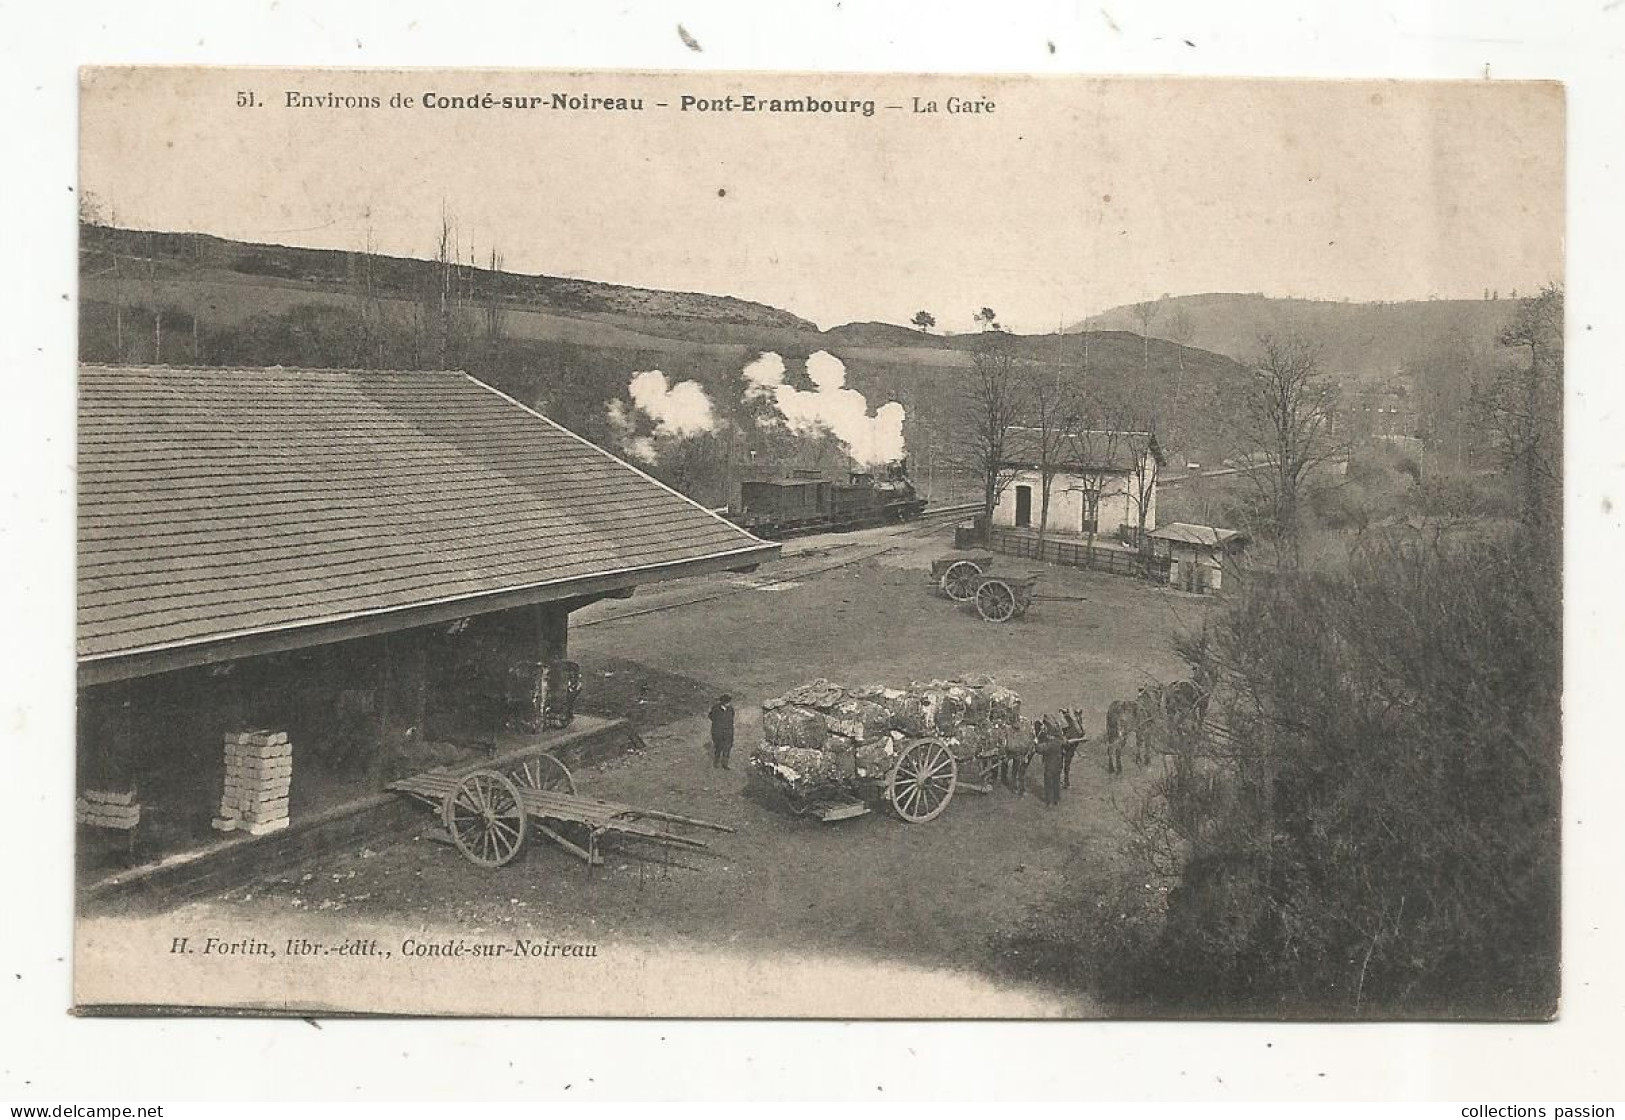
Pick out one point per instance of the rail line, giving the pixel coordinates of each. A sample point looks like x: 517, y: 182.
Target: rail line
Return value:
x: 925, y: 523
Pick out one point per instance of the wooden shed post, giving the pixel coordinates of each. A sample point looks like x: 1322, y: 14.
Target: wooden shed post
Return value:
x: 552, y: 632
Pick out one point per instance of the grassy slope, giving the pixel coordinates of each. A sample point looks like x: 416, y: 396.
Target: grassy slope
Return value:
x: 572, y: 344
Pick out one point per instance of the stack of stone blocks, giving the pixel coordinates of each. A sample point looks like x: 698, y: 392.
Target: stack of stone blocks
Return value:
x: 259, y: 772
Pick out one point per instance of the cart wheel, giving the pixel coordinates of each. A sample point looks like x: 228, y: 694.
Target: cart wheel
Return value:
x: 995, y: 601
x: 922, y: 783
x: 486, y: 818
x: 959, y: 581
x: 543, y: 772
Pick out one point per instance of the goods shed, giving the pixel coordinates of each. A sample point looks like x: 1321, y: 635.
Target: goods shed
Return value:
x: 347, y: 563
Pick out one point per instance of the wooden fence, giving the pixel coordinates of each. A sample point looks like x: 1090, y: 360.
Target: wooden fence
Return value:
x: 1078, y: 554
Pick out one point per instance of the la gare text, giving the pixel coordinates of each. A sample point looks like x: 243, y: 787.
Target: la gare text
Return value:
x: 579, y: 102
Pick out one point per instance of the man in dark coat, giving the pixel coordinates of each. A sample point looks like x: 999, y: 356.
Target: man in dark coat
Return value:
x: 722, y: 732
x: 1052, y: 746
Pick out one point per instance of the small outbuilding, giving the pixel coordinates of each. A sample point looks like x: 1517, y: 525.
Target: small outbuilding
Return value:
x: 1101, y: 482
x: 1198, y: 556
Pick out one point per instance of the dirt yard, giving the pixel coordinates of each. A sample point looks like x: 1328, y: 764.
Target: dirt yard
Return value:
x: 854, y: 609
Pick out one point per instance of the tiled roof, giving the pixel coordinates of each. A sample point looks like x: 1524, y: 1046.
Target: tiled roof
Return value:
x: 217, y: 503
x: 1205, y: 535
x: 1082, y: 450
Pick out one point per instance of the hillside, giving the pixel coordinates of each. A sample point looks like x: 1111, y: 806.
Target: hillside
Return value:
x: 1362, y: 341
x: 405, y: 276
x: 570, y: 347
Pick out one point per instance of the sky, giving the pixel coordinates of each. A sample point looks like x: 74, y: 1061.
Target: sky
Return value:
x: 1071, y: 196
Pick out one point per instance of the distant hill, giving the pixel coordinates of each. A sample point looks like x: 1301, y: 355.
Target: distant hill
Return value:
x: 884, y: 334
x: 1364, y: 341
x: 395, y: 276
x: 569, y: 347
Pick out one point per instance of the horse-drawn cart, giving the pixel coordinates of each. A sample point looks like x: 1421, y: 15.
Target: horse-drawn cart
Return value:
x: 997, y: 596
x: 917, y: 788
x: 955, y: 575
x: 489, y: 813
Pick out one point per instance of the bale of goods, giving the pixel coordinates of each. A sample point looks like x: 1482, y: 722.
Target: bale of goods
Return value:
x: 822, y: 733
x: 787, y: 726
x: 904, y: 711
x: 861, y: 721
x: 108, y: 809
x: 876, y: 758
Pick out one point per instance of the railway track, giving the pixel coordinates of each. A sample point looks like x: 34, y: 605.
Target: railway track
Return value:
x: 933, y: 516
x: 928, y: 522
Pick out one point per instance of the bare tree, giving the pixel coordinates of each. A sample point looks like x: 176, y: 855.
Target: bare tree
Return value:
x: 1282, y: 426
x: 93, y: 211
x: 155, y: 298
x: 492, y: 312
x: 1094, y: 449
x: 443, y: 318
x: 1053, y: 408
x: 1145, y: 460
x: 1145, y: 315
x: 989, y: 407
x: 1522, y: 407
x: 369, y: 330
x: 447, y: 263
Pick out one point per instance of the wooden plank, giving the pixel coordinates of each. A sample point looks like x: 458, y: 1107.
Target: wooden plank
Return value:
x: 574, y: 849
x: 603, y: 815
x: 843, y: 812
x: 677, y: 818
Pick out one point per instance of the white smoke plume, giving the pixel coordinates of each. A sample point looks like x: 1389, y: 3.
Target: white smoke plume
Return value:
x: 675, y: 411
x: 765, y: 374
x: 831, y: 406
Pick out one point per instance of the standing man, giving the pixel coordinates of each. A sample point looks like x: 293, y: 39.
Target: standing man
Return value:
x: 722, y: 732
x: 1052, y: 745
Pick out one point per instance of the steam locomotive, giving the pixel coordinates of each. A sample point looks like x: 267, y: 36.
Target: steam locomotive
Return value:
x: 809, y: 503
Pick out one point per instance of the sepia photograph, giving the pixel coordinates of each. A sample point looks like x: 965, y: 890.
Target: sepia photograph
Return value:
x: 653, y: 544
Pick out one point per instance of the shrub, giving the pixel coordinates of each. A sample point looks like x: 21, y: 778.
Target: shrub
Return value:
x: 1376, y: 830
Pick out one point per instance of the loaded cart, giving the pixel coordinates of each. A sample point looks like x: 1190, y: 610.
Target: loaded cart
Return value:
x: 918, y: 786
x: 489, y: 813
x: 832, y: 752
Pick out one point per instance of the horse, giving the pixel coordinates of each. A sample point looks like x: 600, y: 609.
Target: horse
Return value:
x: 1185, y: 704
x: 1075, y: 738
x: 1014, y: 758
x: 1015, y: 766
x: 1151, y: 703
x: 1123, y: 718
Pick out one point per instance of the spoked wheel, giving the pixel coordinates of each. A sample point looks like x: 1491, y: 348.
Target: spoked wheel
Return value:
x: 543, y: 772
x: 959, y: 581
x: 922, y: 783
x: 995, y: 601
x: 486, y: 819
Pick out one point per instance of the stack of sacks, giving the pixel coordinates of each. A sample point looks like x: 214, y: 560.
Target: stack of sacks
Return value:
x: 108, y: 809
x: 259, y: 771
x: 822, y: 733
